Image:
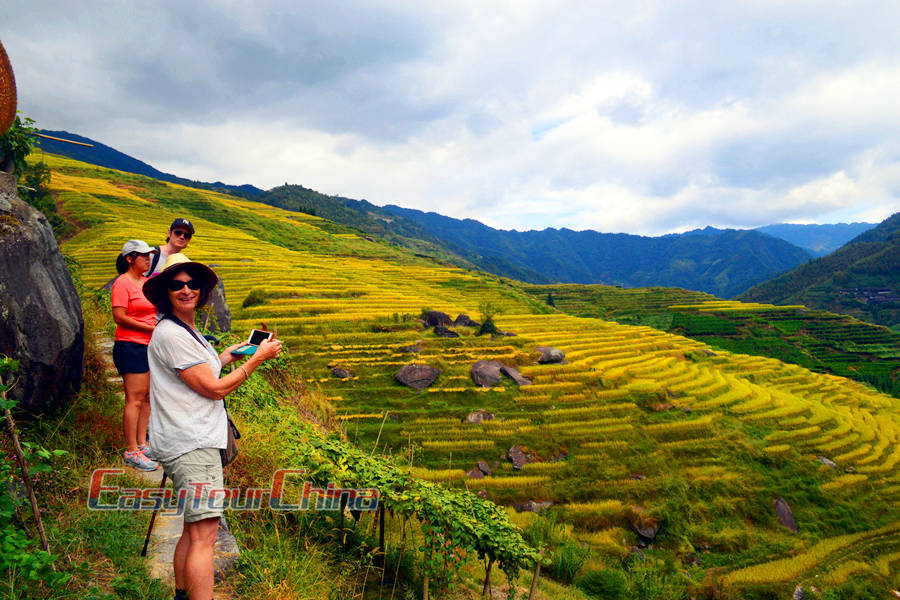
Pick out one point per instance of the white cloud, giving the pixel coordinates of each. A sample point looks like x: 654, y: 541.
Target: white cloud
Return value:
x: 647, y: 119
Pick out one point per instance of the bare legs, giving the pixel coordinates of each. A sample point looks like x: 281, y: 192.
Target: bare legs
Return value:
x: 193, y: 564
x: 137, y: 409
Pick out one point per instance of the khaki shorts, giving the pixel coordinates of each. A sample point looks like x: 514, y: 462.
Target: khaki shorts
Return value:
x: 198, y: 472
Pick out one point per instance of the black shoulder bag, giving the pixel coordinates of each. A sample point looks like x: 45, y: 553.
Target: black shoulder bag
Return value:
x: 230, y: 452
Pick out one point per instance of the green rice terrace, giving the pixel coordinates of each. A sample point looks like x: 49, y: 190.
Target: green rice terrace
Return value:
x: 646, y: 451
x: 818, y: 340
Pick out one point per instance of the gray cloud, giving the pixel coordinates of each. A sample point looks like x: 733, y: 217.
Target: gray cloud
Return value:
x: 649, y: 118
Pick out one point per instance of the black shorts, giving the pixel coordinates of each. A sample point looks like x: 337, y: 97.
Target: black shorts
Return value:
x: 130, y: 357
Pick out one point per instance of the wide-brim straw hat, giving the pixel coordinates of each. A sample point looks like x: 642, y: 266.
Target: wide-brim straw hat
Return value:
x: 156, y: 288
x: 7, y: 92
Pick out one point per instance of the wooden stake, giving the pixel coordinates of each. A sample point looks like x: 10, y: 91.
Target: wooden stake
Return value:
x: 23, y: 465
x: 537, y: 573
x: 381, y: 549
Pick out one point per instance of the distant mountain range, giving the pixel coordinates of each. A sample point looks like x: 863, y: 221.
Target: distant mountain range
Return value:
x: 861, y: 279
x: 724, y: 262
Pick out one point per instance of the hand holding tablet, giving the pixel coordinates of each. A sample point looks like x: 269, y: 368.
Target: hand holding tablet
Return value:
x: 257, y: 336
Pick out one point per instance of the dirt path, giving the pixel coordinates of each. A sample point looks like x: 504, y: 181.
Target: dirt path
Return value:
x: 167, y: 529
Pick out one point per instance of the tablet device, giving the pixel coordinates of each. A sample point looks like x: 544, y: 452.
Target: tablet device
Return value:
x: 257, y: 336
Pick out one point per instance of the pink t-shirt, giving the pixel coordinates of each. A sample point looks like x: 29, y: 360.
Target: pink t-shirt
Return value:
x: 129, y: 295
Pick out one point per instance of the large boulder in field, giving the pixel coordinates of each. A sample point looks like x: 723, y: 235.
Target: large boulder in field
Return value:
x: 464, y: 321
x: 784, y: 514
x: 433, y: 318
x: 417, y: 376
x: 486, y: 373
x: 514, y: 374
x: 216, y: 315
x: 40, y: 312
x: 550, y: 356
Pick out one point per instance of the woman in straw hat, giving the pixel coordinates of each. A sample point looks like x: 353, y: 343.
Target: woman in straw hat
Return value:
x: 135, y: 319
x: 187, y: 418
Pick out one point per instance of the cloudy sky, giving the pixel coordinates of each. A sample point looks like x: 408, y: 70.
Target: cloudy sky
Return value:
x: 639, y: 117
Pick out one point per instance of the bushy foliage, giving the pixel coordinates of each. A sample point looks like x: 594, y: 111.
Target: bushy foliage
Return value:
x: 604, y: 584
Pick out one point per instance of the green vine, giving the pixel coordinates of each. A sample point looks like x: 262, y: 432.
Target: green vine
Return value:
x: 454, y: 522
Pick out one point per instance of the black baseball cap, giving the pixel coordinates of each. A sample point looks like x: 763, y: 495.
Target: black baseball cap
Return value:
x: 179, y: 222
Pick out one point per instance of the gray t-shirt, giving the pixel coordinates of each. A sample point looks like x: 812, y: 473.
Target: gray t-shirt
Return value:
x: 181, y: 420
x: 159, y: 263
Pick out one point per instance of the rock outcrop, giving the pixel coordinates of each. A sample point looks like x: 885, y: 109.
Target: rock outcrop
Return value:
x: 550, y: 356
x: 433, y: 318
x: 464, y: 321
x: 442, y: 331
x: 479, y: 416
x: 417, y: 376
x: 488, y: 373
x: 219, y: 314
x: 784, y: 514
x: 40, y: 311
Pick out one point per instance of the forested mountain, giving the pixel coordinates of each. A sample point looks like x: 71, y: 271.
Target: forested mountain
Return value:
x: 819, y: 240
x: 720, y: 262
x: 861, y: 279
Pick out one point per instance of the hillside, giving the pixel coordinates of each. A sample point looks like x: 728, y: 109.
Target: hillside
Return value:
x: 106, y: 156
x: 861, y: 279
x: 642, y: 439
x: 723, y: 263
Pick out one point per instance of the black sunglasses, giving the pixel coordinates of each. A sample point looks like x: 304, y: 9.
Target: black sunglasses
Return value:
x: 185, y: 234
x: 177, y: 284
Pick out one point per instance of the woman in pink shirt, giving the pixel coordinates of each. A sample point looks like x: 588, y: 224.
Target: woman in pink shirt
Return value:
x: 135, y: 319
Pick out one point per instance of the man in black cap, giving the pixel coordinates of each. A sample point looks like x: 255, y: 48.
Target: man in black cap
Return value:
x: 177, y: 239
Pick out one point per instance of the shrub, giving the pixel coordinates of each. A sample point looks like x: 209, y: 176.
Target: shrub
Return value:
x: 604, y: 584
x: 567, y: 560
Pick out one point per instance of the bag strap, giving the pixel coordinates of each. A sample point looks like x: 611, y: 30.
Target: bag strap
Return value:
x: 154, y: 261
x: 194, y: 335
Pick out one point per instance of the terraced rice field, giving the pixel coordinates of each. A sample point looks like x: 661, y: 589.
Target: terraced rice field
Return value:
x: 640, y: 426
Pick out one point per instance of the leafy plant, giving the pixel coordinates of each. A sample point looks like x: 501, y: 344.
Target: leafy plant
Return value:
x: 604, y: 584
x: 18, y: 142
x: 567, y: 561
x: 24, y: 565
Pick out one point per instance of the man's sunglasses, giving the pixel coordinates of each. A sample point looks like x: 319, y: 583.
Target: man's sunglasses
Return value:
x: 177, y: 284
x: 185, y: 234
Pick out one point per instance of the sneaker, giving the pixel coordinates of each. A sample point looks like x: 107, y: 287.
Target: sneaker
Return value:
x: 139, y: 461
x: 145, y: 450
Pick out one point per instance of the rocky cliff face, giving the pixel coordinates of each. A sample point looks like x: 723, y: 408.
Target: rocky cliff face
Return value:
x: 40, y: 312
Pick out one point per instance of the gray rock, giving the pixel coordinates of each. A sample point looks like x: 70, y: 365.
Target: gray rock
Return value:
x: 532, y: 506
x: 341, y: 373
x: 475, y: 473
x: 464, y: 321
x: 40, y: 311
x: 417, y: 376
x: 442, y: 331
x: 826, y: 461
x: 433, y: 318
x: 550, y: 356
x: 647, y: 530
x: 798, y: 593
x: 483, y: 467
x: 479, y: 416
x: 514, y: 374
x: 216, y: 315
x: 519, y: 458
x: 486, y: 373
x: 785, y: 516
